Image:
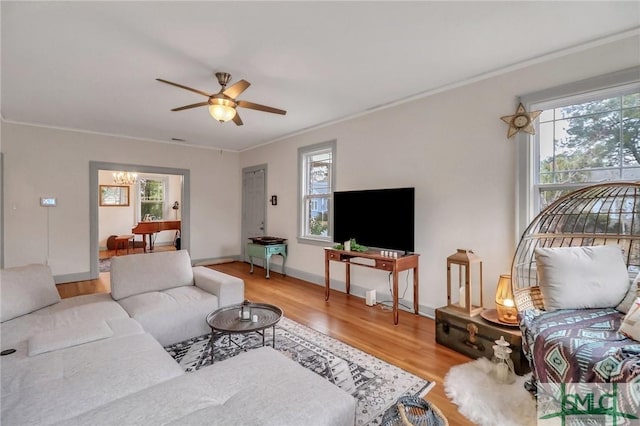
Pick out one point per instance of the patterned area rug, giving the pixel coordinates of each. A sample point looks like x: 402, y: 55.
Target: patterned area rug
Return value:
x: 374, y: 383
x: 104, y: 265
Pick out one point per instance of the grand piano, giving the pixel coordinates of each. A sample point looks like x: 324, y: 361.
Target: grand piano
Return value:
x: 150, y: 227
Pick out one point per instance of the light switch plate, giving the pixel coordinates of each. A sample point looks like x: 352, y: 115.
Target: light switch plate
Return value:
x: 48, y: 201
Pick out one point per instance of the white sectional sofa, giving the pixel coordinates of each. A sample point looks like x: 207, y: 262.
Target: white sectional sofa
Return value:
x: 169, y: 297
x: 86, y: 361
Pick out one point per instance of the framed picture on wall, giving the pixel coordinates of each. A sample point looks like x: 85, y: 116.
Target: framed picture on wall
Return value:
x: 114, y: 195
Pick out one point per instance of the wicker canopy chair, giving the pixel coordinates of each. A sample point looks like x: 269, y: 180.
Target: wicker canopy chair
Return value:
x: 603, y: 214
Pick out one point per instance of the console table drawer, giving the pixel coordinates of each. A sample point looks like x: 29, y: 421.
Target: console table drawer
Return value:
x: 386, y: 265
x: 333, y: 256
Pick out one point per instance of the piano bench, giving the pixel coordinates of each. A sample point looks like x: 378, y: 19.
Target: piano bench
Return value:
x: 122, y: 242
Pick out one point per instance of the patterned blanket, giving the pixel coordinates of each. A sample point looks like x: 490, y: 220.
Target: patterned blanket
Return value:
x: 582, y: 346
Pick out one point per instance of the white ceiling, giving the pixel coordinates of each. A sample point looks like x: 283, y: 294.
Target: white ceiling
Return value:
x: 92, y: 65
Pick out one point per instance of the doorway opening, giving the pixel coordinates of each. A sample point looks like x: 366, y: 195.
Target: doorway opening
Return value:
x: 158, y: 198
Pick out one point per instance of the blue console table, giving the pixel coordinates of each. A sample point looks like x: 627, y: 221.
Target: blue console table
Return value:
x: 265, y: 251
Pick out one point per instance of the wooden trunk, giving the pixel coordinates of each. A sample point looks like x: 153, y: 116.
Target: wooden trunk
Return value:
x: 474, y: 336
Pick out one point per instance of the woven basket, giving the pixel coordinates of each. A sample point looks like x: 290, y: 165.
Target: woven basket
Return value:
x: 413, y: 411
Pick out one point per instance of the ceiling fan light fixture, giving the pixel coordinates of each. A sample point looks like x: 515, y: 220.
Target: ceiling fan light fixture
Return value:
x: 222, y: 105
x: 222, y: 110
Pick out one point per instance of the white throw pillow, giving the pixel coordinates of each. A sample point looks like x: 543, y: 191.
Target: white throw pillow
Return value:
x: 630, y: 326
x: 632, y: 293
x: 581, y: 277
x: 25, y: 289
x: 62, y: 338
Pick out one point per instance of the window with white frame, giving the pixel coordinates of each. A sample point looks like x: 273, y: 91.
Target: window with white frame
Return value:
x: 588, y: 132
x: 316, y: 189
x: 152, y: 198
x: 585, y: 141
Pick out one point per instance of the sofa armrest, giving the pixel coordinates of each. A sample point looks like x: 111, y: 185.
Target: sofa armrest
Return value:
x: 229, y: 289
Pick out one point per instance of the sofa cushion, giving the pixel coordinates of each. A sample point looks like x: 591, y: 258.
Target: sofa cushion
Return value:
x: 630, y: 297
x: 68, y: 312
x: 172, y: 315
x: 60, y: 384
x: 66, y: 337
x: 259, y: 387
x: 142, y: 273
x: 630, y: 326
x: 581, y: 277
x: 25, y: 289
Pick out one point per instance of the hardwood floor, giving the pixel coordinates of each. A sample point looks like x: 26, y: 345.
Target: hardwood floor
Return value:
x: 410, y: 345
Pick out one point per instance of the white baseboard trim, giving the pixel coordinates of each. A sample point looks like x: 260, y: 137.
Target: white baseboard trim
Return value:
x: 70, y: 278
x: 215, y: 260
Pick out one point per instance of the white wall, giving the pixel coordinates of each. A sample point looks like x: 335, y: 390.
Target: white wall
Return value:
x: 452, y: 148
x: 49, y: 162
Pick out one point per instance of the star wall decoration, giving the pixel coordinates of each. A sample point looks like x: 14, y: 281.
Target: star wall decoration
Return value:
x: 521, y: 121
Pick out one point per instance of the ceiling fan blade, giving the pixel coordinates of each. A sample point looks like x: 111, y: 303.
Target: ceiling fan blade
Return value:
x: 251, y: 105
x: 199, y: 104
x: 237, y: 119
x: 200, y: 92
x: 236, y: 88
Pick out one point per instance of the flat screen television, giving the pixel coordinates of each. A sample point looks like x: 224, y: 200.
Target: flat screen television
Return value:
x: 377, y: 218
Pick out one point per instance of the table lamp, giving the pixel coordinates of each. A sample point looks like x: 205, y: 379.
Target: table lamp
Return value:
x: 505, y: 305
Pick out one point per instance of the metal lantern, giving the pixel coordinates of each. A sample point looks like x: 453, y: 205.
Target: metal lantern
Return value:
x: 505, y: 305
x: 464, y: 279
x: 245, y: 311
x: 502, y: 369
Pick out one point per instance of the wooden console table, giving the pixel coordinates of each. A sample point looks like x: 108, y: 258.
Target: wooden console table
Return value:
x: 383, y: 263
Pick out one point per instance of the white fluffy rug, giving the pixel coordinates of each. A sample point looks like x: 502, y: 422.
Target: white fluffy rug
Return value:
x: 486, y: 402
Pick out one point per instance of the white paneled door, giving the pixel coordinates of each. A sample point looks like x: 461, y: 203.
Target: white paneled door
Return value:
x: 253, y: 204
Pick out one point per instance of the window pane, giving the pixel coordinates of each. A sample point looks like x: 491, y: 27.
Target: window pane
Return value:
x: 316, y: 166
x: 588, y: 108
x: 319, y: 172
x: 152, y: 209
x: 548, y: 196
x: 589, y: 141
x: 317, y: 217
x: 631, y: 136
x: 586, y: 143
x: 151, y: 190
x: 631, y: 100
x: 546, y: 167
x: 151, y: 198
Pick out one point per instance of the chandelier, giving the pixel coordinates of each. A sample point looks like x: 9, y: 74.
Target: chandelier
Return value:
x: 125, y: 178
